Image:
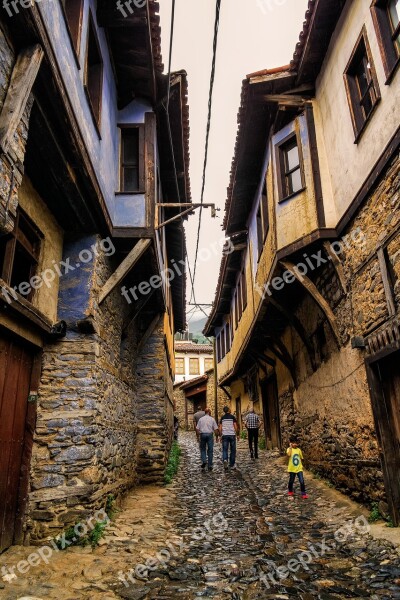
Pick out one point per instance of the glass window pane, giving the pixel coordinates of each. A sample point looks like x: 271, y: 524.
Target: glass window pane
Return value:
x: 130, y: 147
x: 131, y: 179
x: 394, y: 11
x: 292, y: 158
x: 362, y: 76
x: 295, y: 183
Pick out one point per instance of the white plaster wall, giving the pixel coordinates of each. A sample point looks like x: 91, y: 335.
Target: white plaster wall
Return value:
x: 187, y: 356
x: 344, y: 164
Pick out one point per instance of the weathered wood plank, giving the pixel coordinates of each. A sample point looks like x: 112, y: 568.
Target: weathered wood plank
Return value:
x: 127, y: 264
x: 337, y: 264
x: 314, y: 293
x: 386, y: 283
x: 22, y: 80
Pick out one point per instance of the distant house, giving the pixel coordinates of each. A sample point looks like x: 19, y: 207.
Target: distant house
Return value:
x: 192, y: 360
x: 198, y: 392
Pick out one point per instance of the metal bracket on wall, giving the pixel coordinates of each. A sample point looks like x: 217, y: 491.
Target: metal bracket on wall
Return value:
x: 189, y: 210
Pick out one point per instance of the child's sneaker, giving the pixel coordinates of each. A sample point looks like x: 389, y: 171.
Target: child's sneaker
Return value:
x: 290, y: 495
x: 304, y: 496
x: 225, y: 465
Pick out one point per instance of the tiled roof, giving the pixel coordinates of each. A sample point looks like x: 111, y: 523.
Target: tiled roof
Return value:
x: 191, y: 347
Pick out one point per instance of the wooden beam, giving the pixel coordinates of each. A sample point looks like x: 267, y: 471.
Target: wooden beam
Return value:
x: 390, y: 301
x: 137, y: 309
x: 22, y: 80
x: 337, y: 264
x: 286, y: 99
x: 298, y: 327
x: 316, y: 295
x: 122, y: 271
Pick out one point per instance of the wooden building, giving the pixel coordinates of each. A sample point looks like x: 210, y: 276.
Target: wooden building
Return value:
x: 92, y: 284
x: 307, y: 309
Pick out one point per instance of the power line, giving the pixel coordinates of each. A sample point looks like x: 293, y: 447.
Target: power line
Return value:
x: 210, y: 97
x: 171, y: 41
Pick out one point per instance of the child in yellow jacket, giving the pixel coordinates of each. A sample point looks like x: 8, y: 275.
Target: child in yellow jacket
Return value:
x: 295, y: 467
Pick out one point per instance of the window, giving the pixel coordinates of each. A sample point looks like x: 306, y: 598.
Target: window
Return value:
x: 131, y: 159
x: 20, y: 251
x: 289, y: 167
x: 194, y: 366
x: 73, y: 10
x: 361, y: 84
x: 94, y: 73
x: 243, y: 285
x: 235, y: 309
x: 228, y: 336
x: 208, y: 364
x: 179, y: 366
x: 386, y: 17
x: 260, y: 237
x: 262, y: 220
x: 223, y: 343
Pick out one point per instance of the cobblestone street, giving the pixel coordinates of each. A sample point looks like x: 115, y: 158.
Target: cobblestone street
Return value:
x: 221, y: 535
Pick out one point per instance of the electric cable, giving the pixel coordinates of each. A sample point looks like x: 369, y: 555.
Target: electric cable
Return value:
x: 210, y: 99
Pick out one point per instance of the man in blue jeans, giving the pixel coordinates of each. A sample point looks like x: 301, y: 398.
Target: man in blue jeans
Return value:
x: 206, y: 427
x: 228, y: 429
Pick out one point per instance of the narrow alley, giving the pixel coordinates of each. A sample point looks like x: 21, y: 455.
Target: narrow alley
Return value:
x: 221, y: 535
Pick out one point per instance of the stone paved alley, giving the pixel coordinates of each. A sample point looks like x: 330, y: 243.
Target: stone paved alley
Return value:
x: 221, y: 535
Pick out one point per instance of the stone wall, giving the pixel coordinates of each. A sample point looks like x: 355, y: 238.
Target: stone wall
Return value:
x: 102, y: 401
x: 155, y: 408
x: 331, y: 410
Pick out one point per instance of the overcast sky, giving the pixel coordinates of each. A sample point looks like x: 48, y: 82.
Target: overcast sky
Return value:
x: 253, y: 35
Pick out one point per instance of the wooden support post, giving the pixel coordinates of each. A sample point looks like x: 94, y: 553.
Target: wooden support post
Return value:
x: 386, y: 283
x: 127, y: 265
x: 316, y: 295
x: 297, y: 326
x: 22, y: 80
x: 337, y: 264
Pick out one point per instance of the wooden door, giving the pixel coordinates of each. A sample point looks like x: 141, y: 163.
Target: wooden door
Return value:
x: 16, y: 363
x: 272, y: 428
x: 384, y: 383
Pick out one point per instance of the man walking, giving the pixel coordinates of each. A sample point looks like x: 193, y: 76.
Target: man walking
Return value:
x: 206, y: 428
x: 228, y: 429
x: 253, y: 423
x: 196, y: 417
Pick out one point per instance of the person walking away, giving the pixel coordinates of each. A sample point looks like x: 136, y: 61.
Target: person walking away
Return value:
x: 196, y: 417
x: 228, y: 429
x: 206, y: 427
x: 253, y: 424
x: 295, y: 467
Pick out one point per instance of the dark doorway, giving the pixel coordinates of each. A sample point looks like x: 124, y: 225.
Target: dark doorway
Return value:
x: 238, y: 409
x: 272, y: 428
x: 16, y: 434
x: 384, y: 384
x: 192, y: 404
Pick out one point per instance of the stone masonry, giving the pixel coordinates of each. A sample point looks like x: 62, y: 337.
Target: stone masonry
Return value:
x: 97, y: 418
x: 331, y: 409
